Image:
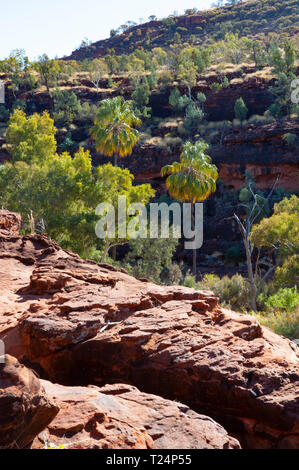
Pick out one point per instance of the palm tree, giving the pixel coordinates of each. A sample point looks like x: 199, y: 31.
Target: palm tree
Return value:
x: 113, y: 129
x: 193, y: 178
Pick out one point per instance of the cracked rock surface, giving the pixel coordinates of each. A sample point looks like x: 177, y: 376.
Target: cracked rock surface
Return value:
x: 25, y: 407
x: 79, y: 323
x: 121, y: 417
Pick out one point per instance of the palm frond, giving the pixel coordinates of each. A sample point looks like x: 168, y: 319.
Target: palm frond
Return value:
x: 194, y: 177
x: 113, y: 129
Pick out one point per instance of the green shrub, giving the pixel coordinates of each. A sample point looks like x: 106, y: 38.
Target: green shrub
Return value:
x: 282, y: 323
x: 165, y: 78
x: 193, y: 117
x: 177, y: 101
x: 190, y: 281
x: 29, y: 81
x: 233, y: 292
x: 285, y: 299
x: 225, y: 82
x: 289, y: 139
x: 172, y: 275
x: 152, y: 79
x: 169, y: 22
x: 66, y: 106
x: 19, y: 104
x: 148, y: 258
x: 214, y: 86
x: 276, y: 110
x: 240, y: 109
x: 87, y: 113
x: 68, y: 145
x: 288, y: 274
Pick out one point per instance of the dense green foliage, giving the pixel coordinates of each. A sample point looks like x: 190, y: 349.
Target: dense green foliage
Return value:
x: 58, y: 192
x: 283, y: 63
x: 279, y: 233
x: 285, y: 299
x: 66, y: 107
x: 152, y: 259
x: 112, y: 183
x: 232, y: 292
x: 31, y: 138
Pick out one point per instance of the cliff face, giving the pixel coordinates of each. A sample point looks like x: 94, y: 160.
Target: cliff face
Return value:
x: 219, y: 105
x: 79, y: 323
x: 263, y: 151
x: 260, y: 149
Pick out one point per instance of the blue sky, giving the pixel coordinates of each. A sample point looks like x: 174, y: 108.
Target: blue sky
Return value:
x: 57, y: 27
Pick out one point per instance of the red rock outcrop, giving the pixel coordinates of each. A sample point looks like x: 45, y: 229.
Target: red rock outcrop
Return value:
x: 10, y: 223
x: 80, y: 323
x: 189, y: 21
x: 121, y: 417
x: 263, y: 151
x: 260, y: 149
x: 25, y: 409
x: 38, y: 414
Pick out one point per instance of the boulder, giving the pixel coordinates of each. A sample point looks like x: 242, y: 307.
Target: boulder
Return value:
x: 220, y: 363
x: 25, y: 409
x: 10, y: 223
x: 121, y: 417
x: 80, y: 323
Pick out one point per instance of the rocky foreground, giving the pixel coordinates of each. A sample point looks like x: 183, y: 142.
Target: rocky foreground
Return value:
x: 80, y: 337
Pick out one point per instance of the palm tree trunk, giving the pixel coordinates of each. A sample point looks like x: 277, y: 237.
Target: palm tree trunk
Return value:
x: 114, y: 247
x: 194, y: 249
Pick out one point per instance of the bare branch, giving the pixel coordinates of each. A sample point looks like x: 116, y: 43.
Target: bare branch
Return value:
x: 242, y: 228
x: 270, y: 270
x: 267, y: 199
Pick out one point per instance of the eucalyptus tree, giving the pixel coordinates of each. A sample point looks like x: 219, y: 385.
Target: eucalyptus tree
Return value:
x: 97, y: 69
x: 256, y: 207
